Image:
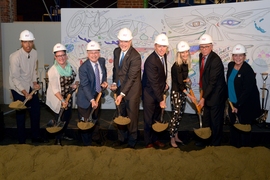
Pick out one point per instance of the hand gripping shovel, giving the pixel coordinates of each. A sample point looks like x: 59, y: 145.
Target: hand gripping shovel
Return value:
x: 120, y: 120
x: 19, y: 105
x: 237, y: 125
x: 205, y: 132
x: 53, y: 126
x: 89, y: 123
x: 161, y: 125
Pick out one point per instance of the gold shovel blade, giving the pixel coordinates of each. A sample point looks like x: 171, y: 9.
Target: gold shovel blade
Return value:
x: 17, y: 105
x: 203, y: 133
x: 54, y: 129
x: 159, y: 127
x: 120, y: 120
x: 243, y: 127
x: 85, y: 125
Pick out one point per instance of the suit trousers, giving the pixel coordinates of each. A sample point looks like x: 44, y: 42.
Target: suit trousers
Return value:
x: 93, y: 133
x: 213, y: 117
x: 130, y: 108
x: 34, y: 111
x: 151, y: 113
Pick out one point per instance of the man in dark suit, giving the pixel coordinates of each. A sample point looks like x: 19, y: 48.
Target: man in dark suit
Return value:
x: 153, y: 86
x: 214, y: 91
x: 127, y: 84
x: 90, y: 72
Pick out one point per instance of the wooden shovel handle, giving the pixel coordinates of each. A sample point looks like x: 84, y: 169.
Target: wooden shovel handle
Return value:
x: 98, y: 97
x: 231, y: 104
x: 66, y: 100
x: 195, y: 102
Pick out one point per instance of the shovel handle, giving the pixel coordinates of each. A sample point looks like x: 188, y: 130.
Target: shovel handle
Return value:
x: 31, y: 94
x: 164, y: 99
x: 237, y: 120
x: 195, y: 102
x: 98, y: 97
x: 231, y: 104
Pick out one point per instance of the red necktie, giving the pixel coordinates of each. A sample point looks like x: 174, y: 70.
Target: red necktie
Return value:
x: 201, y: 70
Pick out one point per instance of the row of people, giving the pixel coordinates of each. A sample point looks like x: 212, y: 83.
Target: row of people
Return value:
x: 129, y: 87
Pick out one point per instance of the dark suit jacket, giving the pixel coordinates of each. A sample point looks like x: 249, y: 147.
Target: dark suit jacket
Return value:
x: 129, y: 73
x: 247, y: 93
x: 87, y: 88
x: 154, y: 77
x: 213, y: 79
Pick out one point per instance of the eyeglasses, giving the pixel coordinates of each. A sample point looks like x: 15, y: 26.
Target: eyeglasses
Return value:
x: 93, y: 52
x: 60, y: 56
x: 204, y: 47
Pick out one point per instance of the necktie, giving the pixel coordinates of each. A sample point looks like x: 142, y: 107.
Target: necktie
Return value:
x: 163, y: 63
x: 120, y: 64
x: 162, y: 60
x: 121, y: 59
x: 98, y: 88
x: 201, y: 70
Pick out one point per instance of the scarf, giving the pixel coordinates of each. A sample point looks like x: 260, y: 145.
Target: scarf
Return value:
x: 63, y: 71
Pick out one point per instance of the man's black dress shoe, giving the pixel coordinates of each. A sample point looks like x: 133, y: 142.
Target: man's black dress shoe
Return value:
x: 39, y: 140
x: 118, y: 143
x: 98, y: 142
x: 130, y: 146
x: 200, y: 144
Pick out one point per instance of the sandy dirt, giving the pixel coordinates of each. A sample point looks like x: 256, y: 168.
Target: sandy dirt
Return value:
x: 77, y: 162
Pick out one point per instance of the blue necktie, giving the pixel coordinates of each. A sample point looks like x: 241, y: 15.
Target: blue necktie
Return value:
x: 98, y: 88
x: 121, y: 59
x: 120, y: 63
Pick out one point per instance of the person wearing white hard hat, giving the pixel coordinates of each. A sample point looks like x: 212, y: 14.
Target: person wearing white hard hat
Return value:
x: 179, y: 78
x: 62, y: 79
x: 93, y: 78
x: 127, y: 86
x: 213, y: 89
x: 153, y: 88
x: 22, y: 81
x: 244, y: 95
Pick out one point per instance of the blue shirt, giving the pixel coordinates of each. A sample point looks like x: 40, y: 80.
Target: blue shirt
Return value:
x: 231, y: 89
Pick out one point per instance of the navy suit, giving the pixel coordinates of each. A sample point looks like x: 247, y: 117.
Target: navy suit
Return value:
x: 153, y: 85
x: 87, y: 92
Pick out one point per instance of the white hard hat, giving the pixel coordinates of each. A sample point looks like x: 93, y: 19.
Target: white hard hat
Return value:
x: 162, y: 39
x: 26, y: 36
x: 93, y: 45
x: 59, y: 47
x: 125, y: 35
x: 206, y: 39
x: 239, y: 49
x: 182, y: 46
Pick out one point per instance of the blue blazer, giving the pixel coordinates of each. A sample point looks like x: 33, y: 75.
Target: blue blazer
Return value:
x: 87, y: 88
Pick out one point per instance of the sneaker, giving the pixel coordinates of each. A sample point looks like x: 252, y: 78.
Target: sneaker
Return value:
x: 67, y: 138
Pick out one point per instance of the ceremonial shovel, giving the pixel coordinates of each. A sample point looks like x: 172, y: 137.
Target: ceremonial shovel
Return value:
x: 89, y: 123
x: 19, y: 105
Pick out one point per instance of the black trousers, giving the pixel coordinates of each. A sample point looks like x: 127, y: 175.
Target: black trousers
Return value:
x: 33, y: 107
x: 213, y: 117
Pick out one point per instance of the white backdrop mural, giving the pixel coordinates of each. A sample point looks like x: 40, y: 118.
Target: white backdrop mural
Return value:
x: 228, y: 24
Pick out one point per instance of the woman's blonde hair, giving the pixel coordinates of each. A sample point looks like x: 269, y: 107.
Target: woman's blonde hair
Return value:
x: 179, y: 60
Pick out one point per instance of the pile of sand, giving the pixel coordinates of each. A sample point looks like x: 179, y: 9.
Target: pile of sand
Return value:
x: 76, y: 162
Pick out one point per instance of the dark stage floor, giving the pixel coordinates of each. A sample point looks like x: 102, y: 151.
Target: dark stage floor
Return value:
x: 260, y: 132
